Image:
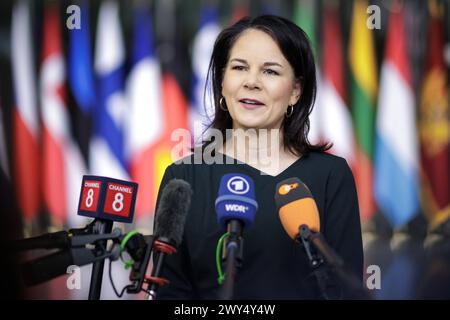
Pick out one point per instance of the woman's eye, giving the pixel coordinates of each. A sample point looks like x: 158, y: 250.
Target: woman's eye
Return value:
x: 237, y: 67
x: 271, y: 72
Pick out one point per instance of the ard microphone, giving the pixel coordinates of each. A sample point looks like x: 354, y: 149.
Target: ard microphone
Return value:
x: 171, y: 215
x: 236, y: 207
x: 236, y: 202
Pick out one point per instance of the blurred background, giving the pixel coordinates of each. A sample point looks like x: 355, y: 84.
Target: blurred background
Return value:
x: 97, y: 87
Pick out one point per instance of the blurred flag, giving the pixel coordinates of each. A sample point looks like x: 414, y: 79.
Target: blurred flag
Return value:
x: 305, y: 18
x: 146, y: 120
x: 336, y: 122
x: 81, y: 80
x: 363, y: 73
x: 434, y: 124
x: 4, y: 165
x: 396, y: 155
x: 25, y: 115
x: 202, y: 109
x: 240, y: 10
x: 175, y: 106
x: 107, y: 152
x: 175, y: 117
x: 62, y: 163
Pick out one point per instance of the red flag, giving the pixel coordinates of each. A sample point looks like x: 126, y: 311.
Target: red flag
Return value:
x: 175, y: 117
x: 240, y: 11
x: 334, y: 113
x: 25, y: 116
x: 434, y: 125
x: 62, y: 162
x: 52, y: 99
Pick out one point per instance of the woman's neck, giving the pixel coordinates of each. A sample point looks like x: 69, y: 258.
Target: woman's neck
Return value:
x: 260, y: 148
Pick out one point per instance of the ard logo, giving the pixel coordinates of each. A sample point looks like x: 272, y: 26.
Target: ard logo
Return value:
x: 238, y: 185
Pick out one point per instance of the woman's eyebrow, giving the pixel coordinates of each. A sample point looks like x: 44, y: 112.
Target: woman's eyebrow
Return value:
x: 239, y: 60
x: 266, y: 64
x: 270, y: 64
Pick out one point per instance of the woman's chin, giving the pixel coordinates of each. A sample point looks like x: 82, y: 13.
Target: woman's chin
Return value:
x: 250, y: 125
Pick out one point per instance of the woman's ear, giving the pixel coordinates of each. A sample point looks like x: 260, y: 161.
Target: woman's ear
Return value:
x: 296, y: 92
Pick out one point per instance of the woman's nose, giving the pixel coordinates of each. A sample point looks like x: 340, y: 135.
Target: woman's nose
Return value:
x: 252, y: 81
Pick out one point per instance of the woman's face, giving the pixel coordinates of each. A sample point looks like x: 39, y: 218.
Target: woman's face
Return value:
x: 258, y: 83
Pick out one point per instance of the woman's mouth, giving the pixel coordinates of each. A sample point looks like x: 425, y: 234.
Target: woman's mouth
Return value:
x: 251, y: 103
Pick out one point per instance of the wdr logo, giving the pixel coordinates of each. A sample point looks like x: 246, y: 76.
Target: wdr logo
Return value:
x: 236, y: 208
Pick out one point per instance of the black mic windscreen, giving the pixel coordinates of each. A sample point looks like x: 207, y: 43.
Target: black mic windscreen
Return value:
x: 172, y: 211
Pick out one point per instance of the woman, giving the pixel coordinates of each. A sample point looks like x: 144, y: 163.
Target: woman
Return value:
x: 263, y: 77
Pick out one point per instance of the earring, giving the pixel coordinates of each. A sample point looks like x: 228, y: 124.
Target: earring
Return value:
x: 289, y: 112
x: 221, y: 104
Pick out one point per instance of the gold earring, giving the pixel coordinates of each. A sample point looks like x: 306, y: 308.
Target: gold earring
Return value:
x: 289, y: 112
x: 221, y: 104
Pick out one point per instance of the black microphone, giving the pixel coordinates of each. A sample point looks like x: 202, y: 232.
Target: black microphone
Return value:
x: 46, y: 268
x: 59, y: 239
x: 74, y: 252
x: 170, y: 218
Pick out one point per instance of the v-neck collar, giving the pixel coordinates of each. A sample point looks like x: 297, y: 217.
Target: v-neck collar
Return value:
x: 262, y: 173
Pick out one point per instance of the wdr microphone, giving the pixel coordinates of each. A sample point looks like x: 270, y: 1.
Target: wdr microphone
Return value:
x: 236, y: 200
x: 236, y: 207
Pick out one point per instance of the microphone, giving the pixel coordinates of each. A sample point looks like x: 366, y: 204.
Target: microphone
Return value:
x: 107, y: 200
x: 53, y: 265
x: 300, y: 219
x: 46, y: 268
x: 59, y: 239
x: 169, y: 228
x: 236, y: 207
x: 296, y: 206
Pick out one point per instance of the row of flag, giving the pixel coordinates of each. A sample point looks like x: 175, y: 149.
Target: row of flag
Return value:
x: 120, y: 126
x: 395, y: 140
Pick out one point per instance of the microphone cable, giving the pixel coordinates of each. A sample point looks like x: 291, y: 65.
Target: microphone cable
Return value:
x: 112, y: 282
x: 123, y: 244
x: 127, y: 264
x: 221, y: 277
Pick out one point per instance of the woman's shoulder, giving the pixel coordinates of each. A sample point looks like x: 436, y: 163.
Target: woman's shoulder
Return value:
x: 325, y: 160
x: 195, y: 163
x: 181, y: 164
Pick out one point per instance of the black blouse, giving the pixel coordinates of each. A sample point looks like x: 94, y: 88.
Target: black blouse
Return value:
x: 274, y: 266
